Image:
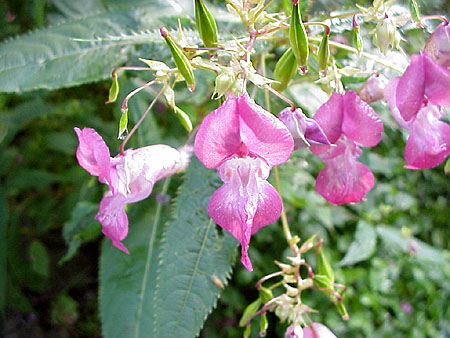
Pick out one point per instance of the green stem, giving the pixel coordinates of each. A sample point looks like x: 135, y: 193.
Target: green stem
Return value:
x: 364, y: 54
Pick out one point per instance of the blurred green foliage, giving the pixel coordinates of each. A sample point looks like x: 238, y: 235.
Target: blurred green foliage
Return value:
x: 391, y: 251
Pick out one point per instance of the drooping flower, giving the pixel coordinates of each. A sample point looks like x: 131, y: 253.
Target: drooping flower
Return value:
x: 304, y: 130
x: 243, y: 141
x: 294, y: 331
x: 415, y: 100
x: 349, y: 123
x: 438, y: 45
x: 317, y: 330
x: 130, y: 177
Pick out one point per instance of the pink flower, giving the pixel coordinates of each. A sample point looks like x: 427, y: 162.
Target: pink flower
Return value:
x: 438, y: 45
x: 415, y: 100
x: 305, y: 131
x: 317, y: 330
x: 243, y: 141
x: 294, y: 331
x: 129, y: 176
x: 349, y: 123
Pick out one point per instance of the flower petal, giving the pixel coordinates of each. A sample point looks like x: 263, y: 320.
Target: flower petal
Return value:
x: 390, y: 96
x: 438, y: 45
x: 245, y: 203
x: 319, y: 331
x: 429, y: 142
x: 344, y: 180
x: 113, y: 219
x: 330, y: 116
x: 218, y: 136
x: 437, y: 82
x: 263, y: 134
x: 93, y: 153
x: 360, y: 123
x: 411, y: 88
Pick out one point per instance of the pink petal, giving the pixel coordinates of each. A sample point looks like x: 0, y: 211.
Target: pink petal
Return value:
x: 240, y: 127
x: 360, y: 123
x: 92, y: 153
x: 438, y: 45
x: 330, y: 116
x: 218, y: 136
x: 389, y: 95
x: 437, y: 82
x: 344, y: 180
x: 113, y: 219
x: 319, y: 331
x: 429, y: 142
x: 262, y: 133
x: 411, y: 88
x: 245, y: 203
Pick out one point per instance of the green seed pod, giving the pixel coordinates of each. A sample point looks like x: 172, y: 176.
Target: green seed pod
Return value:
x: 123, y: 125
x: 298, y: 37
x: 248, y: 331
x: 324, y: 266
x: 322, y: 281
x: 342, y: 310
x: 285, y: 70
x: 249, y: 310
x: 414, y: 9
x: 181, y: 60
x: 324, y: 52
x: 263, y: 325
x: 205, y: 23
x: 357, y: 39
x: 447, y: 167
x: 184, y: 119
x: 114, y: 90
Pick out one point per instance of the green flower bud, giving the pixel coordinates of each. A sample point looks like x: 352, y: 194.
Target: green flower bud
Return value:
x: 206, y: 25
x: 324, y: 266
x: 181, y: 60
x: 263, y: 325
x: 357, y: 39
x: 298, y: 37
x: 224, y: 82
x: 447, y: 167
x: 323, y: 54
x: 385, y: 34
x: 114, y: 90
x: 265, y: 294
x: 285, y: 70
x: 248, y: 331
x: 123, y: 125
x: 414, y: 9
x: 249, y: 310
x: 322, y: 281
x: 184, y: 119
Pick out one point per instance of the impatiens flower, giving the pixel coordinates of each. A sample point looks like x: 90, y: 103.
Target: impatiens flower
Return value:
x: 130, y: 177
x: 243, y: 141
x: 294, y: 331
x: 438, y: 45
x: 305, y: 131
x: 317, y: 330
x: 415, y: 100
x: 349, y: 123
x: 373, y: 88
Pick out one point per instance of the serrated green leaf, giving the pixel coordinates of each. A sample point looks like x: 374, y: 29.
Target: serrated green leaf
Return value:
x: 81, y: 228
x: 192, y: 252
x: 363, y: 245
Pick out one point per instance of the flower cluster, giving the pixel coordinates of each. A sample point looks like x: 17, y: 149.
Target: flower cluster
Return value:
x: 243, y: 141
x: 130, y: 177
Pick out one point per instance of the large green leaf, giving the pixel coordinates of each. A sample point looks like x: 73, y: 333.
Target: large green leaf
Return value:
x: 192, y: 256
x: 3, y: 223
x: 50, y: 58
x: 363, y: 245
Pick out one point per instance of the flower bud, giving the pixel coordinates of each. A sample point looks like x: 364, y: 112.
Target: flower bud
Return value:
x: 181, y: 60
x: 285, y: 70
x: 324, y: 52
x: 294, y: 331
x: 317, y: 330
x: 298, y: 37
x: 184, y: 119
x: 205, y: 23
x: 224, y: 82
x: 357, y: 39
x: 265, y: 294
x: 249, y: 310
x: 123, y: 125
x: 114, y: 90
x: 373, y: 89
x: 263, y: 325
x: 385, y: 34
x: 414, y: 9
x: 438, y: 45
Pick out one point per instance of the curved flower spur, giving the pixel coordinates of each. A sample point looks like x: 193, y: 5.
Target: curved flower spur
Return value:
x: 243, y: 141
x: 130, y: 177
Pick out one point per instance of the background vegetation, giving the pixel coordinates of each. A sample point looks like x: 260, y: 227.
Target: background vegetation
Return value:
x: 391, y: 251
